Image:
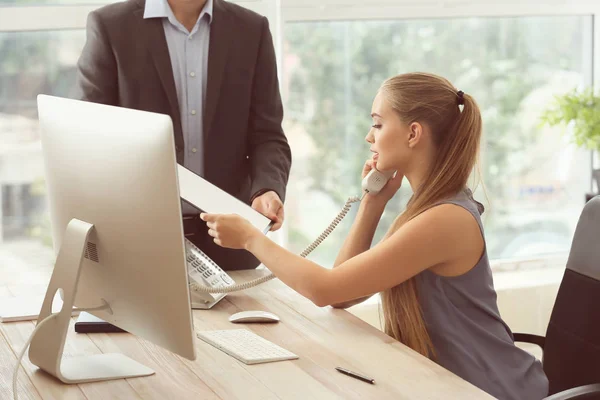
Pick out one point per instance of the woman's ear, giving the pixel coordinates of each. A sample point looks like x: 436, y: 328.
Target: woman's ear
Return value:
x: 415, y: 134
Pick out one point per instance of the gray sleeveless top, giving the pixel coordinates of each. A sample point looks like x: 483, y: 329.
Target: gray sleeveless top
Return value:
x: 468, y: 334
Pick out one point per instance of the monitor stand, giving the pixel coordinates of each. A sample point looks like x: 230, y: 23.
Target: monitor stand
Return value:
x: 47, y: 345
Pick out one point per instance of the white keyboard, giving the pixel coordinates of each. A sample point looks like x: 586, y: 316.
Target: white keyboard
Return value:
x: 246, y: 346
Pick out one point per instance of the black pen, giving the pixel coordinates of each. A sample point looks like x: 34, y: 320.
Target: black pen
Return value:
x: 355, y: 375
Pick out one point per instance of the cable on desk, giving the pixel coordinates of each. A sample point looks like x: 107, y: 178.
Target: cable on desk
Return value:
x: 37, y: 328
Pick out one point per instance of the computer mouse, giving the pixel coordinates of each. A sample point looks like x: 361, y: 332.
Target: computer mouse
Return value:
x: 253, y: 316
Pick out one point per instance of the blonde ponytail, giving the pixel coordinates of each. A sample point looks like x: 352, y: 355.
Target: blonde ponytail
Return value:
x: 432, y: 101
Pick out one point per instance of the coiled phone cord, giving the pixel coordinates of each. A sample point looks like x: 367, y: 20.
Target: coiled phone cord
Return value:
x: 306, y: 252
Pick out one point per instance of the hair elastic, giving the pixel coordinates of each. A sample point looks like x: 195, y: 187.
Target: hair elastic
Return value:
x: 461, y: 99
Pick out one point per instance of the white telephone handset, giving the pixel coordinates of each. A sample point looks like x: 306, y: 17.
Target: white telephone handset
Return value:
x: 209, y: 282
x: 376, y: 180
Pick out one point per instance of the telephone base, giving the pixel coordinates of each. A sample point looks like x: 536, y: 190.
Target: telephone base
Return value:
x: 199, y: 303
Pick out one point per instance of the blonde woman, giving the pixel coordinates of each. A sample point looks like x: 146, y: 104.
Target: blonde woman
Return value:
x: 432, y: 267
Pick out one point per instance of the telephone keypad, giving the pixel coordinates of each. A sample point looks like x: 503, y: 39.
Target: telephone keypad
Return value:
x: 212, y: 274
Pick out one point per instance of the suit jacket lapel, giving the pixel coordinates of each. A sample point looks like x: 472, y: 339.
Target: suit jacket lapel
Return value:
x: 153, y: 34
x: 220, y: 39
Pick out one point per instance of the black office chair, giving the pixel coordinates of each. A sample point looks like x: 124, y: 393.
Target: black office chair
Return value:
x: 572, y: 344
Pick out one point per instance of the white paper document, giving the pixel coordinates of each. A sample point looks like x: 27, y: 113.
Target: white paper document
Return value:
x: 26, y: 308
x: 211, y: 199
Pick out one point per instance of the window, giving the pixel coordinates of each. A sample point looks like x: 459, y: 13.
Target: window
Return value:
x: 330, y: 73
x: 534, y: 180
x: 31, y: 63
x: 39, y: 48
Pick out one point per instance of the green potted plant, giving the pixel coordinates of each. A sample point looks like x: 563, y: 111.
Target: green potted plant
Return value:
x: 582, y: 109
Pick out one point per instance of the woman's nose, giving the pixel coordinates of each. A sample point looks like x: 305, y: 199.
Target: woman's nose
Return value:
x: 369, y: 138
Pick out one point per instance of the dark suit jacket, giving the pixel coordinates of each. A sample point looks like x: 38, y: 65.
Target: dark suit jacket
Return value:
x: 125, y: 62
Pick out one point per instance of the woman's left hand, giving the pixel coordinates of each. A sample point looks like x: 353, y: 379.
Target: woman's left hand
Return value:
x: 229, y: 230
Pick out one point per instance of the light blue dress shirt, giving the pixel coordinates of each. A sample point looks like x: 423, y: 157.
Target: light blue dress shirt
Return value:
x: 189, y: 59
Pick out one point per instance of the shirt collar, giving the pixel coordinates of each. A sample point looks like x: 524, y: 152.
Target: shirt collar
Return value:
x: 161, y: 9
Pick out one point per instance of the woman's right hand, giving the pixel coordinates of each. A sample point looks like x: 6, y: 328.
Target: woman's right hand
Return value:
x: 390, y: 188
x: 369, y: 165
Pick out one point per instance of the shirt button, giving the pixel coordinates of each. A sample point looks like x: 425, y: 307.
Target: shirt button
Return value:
x: 190, y: 37
x: 193, y: 112
x: 192, y: 74
x: 194, y: 150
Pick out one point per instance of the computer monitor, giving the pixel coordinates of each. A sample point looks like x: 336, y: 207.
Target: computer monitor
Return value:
x: 115, y: 210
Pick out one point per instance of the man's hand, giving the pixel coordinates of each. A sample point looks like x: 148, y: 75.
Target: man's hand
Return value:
x: 269, y: 204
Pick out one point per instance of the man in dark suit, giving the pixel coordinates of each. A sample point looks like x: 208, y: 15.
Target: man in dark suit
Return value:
x: 210, y: 65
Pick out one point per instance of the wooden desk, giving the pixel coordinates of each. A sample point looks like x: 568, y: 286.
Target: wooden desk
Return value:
x: 323, y: 338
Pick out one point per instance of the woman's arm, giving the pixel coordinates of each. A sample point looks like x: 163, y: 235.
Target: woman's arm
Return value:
x: 351, y: 303
x: 360, y: 238
x: 443, y: 235
x: 371, y: 208
x: 363, y: 229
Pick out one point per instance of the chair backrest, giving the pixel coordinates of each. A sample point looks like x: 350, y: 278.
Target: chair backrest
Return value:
x: 572, y: 348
